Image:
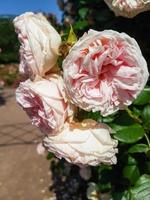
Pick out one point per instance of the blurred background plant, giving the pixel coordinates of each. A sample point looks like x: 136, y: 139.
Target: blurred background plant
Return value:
x: 8, y: 41
x: 9, y: 52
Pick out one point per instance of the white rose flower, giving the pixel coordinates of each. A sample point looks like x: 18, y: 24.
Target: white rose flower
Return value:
x: 86, y: 143
x: 39, y: 44
x: 45, y: 103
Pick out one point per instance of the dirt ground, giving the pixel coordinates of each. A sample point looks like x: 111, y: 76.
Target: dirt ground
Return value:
x: 24, y: 175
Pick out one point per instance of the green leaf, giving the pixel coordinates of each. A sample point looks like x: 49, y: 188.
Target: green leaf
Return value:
x: 138, y: 148
x: 146, y: 115
x: 123, y: 119
x: 131, y: 161
x: 116, y: 127
x: 81, y: 115
x: 120, y: 195
x: 81, y: 24
x: 130, y: 134
x: 148, y: 154
x: 141, y: 190
x: 131, y: 172
x: 104, y: 186
x: 108, y: 119
x: 137, y: 111
x: 147, y: 167
x: 143, y: 98
x: 49, y: 156
x: 72, y: 38
x: 83, y: 12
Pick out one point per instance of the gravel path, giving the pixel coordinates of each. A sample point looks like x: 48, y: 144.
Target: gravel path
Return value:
x: 24, y: 175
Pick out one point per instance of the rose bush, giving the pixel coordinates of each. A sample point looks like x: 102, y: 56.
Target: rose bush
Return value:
x: 45, y: 103
x: 86, y: 143
x: 39, y: 44
x: 104, y: 71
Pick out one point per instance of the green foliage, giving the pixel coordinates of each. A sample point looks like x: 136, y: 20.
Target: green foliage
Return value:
x: 10, y: 78
x: 130, y: 134
x: 141, y: 190
x: 126, y: 180
x: 49, y: 156
x: 146, y: 116
x: 8, y: 42
x: 123, y: 119
x: 83, y: 12
x: 81, y: 24
x: 81, y: 115
x: 120, y: 196
x: 138, y: 148
x: 131, y: 172
x: 9, y: 73
x: 143, y: 98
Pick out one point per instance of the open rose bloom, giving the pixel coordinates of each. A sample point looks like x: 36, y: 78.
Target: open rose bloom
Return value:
x: 45, y: 103
x: 39, y: 44
x: 104, y: 71
x: 128, y: 8
x: 86, y: 143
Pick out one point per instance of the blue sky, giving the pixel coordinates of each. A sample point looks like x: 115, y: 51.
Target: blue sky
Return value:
x: 17, y: 7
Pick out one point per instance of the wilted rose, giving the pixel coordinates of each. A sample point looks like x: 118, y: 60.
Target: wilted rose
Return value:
x: 45, y: 103
x: 39, y: 44
x: 86, y: 143
x: 128, y: 8
x: 104, y: 71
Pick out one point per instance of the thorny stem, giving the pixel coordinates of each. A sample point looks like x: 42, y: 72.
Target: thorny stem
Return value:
x: 137, y: 119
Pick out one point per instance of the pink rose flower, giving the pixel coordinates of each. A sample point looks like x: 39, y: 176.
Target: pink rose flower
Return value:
x: 45, y: 103
x: 86, y: 143
x: 128, y: 8
x: 39, y: 44
x: 104, y: 71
